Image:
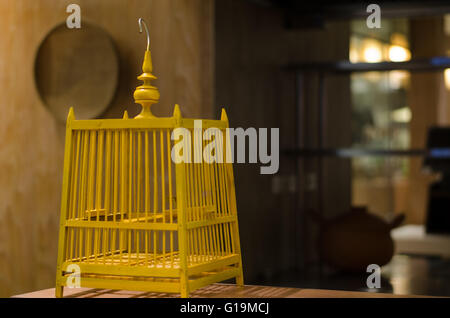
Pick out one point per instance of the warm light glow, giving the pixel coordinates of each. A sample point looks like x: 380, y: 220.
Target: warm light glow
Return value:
x: 447, y: 78
x: 447, y: 24
x: 398, y: 79
x: 399, y: 39
x: 353, y: 56
x: 372, y: 54
x: 402, y: 115
x: 399, y: 54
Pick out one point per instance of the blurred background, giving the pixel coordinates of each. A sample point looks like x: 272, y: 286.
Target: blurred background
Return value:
x: 362, y: 179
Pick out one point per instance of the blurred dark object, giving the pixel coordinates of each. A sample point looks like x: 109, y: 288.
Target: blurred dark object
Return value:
x: 438, y: 150
x: 357, y: 239
x: 438, y: 160
x: 307, y: 14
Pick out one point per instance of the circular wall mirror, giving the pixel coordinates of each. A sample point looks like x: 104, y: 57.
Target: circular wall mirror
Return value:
x: 79, y: 68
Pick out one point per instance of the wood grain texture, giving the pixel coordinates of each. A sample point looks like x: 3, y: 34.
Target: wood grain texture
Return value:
x: 32, y: 141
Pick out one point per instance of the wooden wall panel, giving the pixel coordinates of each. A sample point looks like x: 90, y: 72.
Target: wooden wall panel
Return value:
x: 32, y: 141
x: 424, y: 97
x: 252, y: 47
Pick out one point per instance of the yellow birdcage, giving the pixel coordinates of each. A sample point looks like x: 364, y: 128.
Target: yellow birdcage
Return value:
x: 131, y: 217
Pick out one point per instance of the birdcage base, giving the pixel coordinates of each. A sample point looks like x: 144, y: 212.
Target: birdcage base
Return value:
x: 159, y: 261
x: 153, y: 273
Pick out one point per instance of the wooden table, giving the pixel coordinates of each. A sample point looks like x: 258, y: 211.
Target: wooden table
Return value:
x: 212, y: 291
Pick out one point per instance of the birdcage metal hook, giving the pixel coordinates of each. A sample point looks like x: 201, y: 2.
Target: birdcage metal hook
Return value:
x: 142, y: 22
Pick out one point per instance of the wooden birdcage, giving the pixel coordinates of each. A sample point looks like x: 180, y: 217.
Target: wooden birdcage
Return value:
x: 132, y: 218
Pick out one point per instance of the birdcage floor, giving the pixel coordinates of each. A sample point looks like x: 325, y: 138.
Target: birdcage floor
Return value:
x: 167, y: 260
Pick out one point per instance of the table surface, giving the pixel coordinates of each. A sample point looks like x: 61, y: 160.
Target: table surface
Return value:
x: 212, y: 291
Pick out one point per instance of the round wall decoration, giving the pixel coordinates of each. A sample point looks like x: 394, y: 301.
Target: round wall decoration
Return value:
x: 79, y: 68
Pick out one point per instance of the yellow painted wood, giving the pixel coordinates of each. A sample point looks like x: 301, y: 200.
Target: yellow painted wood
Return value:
x: 232, y: 200
x: 130, y: 284
x: 121, y: 225
x: 64, y: 196
x: 117, y: 124
x: 212, y: 265
x: 216, y: 220
x: 213, y: 278
x: 180, y: 184
x: 131, y: 218
x: 146, y: 94
x: 127, y: 270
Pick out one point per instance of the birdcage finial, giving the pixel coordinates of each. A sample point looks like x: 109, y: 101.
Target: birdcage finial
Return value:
x: 223, y: 115
x: 71, y: 115
x: 146, y: 95
x: 177, y: 112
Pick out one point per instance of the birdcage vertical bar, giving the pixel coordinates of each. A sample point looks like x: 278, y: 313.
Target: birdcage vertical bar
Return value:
x: 90, y: 191
x: 211, y: 181
x: 208, y: 192
x: 108, y: 157
x: 207, y: 199
x: 147, y: 195
x: 223, y: 191
x: 82, y: 207
x: 130, y: 190
x: 192, y: 208
x: 201, y: 198
x: 169, y: 168
x: 195, y: 212
x: 123, y: 163
x: 163, y: 194
x: 232, y: 200
x: 219, y: 197
x: 64, y: 205
x: 138, y: 189
x: 99, y: 185
x: 74, y: 182
x: 200, y: 205
x: 115, y: 193
x: 180, y: 176
x: 155, y: 197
